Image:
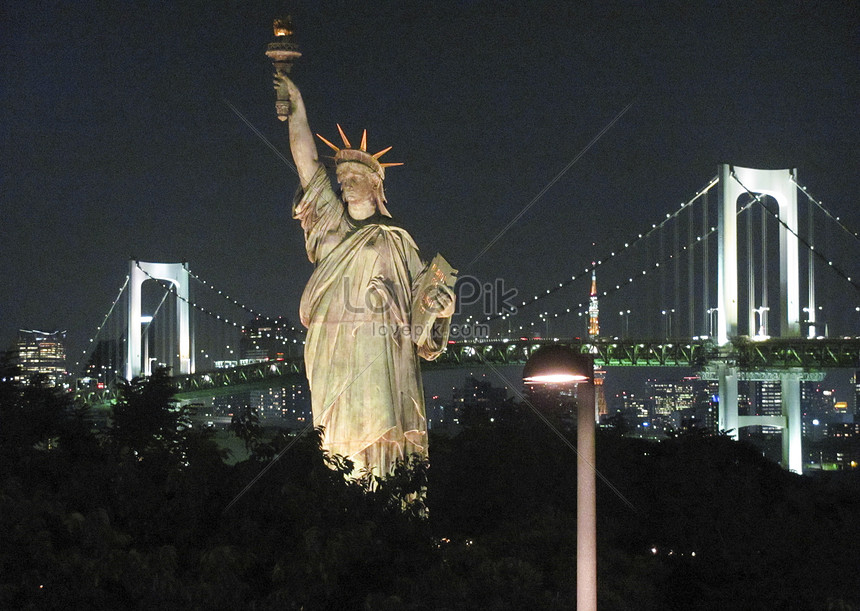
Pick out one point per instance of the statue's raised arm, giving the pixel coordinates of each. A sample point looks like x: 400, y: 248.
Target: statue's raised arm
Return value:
x: 302, y: 142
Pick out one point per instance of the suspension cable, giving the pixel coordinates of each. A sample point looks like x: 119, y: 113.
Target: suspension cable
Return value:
x: 104, y: 320
x: 811, y: 247
x: 236, y: 303
x: 644, y: 272
x: 827, y: 212
x: 627, y: 246
x: 170, y: 287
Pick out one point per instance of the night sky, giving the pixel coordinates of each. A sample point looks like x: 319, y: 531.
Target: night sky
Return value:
x: 119, y: 142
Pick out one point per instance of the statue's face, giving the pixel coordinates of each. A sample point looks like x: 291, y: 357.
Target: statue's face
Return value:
x: 356, y: 183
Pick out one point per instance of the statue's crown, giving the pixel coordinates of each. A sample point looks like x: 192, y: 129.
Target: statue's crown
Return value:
x: 360, y: 154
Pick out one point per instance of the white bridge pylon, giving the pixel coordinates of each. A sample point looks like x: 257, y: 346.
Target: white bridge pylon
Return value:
x: 734, y: 182
x: 177, y: 275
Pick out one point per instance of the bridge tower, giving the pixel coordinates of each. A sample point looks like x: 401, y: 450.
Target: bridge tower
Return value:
x: 177, y: 275
x: 735, y: 181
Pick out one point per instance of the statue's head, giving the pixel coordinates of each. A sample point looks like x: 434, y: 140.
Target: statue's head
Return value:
x: 359, y: 173
x: 359, y: 185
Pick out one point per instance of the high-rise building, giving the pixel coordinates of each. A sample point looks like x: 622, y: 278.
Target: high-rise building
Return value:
x: 41, y: 352
x: 768, y: 402
x: 476, y: 398
x: 265, y: 339
x: 286, y: 405
x: 856, y: 382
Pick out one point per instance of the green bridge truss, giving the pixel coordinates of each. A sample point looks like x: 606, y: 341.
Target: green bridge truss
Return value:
x: 811, y: 355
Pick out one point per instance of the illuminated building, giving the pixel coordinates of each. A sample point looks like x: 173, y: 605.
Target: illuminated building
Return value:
x: 265, y: 339
x: 436, y: 411
x: 768, y: 402
x: 475, y: 399
x: 41, y: 352
x: 856, y: 381
x: 285, y: 406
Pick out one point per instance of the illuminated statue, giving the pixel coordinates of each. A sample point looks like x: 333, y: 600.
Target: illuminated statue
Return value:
x: 371, y: 306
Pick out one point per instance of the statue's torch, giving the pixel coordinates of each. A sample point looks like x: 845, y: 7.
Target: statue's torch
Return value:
x: 283, y: 52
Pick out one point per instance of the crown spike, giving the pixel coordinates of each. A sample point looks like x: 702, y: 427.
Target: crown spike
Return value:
x: 343, y: 137
x: 388, y: 165
x: 381, y: 153
x: 333, y: 147
x: 363, y: 146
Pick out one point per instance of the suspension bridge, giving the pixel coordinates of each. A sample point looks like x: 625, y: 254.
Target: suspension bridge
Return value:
x: 750, y: 279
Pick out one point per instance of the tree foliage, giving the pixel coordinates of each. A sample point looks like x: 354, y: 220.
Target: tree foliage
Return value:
x: 138, y: 518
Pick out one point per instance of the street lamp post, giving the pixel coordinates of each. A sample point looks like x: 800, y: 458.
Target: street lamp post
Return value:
x: 811, y: 321
x: 625, y: 323
x: 712, y: 321
x: 857, y: 309
x: 556, y: 364
x: 668, y: 315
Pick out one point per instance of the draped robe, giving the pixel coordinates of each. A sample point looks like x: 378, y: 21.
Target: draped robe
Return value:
x: 361, y: 354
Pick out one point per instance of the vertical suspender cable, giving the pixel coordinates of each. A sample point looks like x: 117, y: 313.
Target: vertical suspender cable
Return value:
x: 691, y: 261
x: 119, y: 340
x: 172, y: 344
x: 811, y: 258
x: 706, y: 285
x: 677, y: 270
x: 192, y: 330
x: 764, y: 283
x: 750, y: 276
x: 662, y: 299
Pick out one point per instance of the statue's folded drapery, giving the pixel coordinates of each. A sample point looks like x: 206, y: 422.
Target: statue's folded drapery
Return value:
x: 360, y: 355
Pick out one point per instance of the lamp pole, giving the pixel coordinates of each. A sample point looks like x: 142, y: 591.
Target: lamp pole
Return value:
x: 712, y: 321
x: 668, y: 317
x: 559, y: 364
x: 625, y: 320
x: 586, y: 501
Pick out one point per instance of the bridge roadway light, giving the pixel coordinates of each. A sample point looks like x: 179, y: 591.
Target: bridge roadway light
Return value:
x: 557, y: 364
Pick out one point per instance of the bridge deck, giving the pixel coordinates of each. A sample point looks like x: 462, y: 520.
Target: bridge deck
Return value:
x: 804, y: 354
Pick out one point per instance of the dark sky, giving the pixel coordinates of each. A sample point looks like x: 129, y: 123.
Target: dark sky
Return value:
x: 118, y: 142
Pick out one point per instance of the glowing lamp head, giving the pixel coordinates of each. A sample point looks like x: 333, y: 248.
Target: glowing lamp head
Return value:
x: 557, y: 364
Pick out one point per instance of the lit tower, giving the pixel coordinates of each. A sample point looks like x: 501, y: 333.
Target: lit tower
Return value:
x: 593, y: 324
x: 593, y: 332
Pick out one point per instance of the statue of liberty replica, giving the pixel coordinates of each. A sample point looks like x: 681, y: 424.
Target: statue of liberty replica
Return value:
x: 372, y: 306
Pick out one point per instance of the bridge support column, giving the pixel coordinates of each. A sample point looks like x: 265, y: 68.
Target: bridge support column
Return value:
x: 792, y: 444
x: 173, y: 273
x: 727, y: 377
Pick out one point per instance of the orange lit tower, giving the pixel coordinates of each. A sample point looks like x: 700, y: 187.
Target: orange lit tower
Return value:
x: 593, y: 324
x: 593, y: 332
